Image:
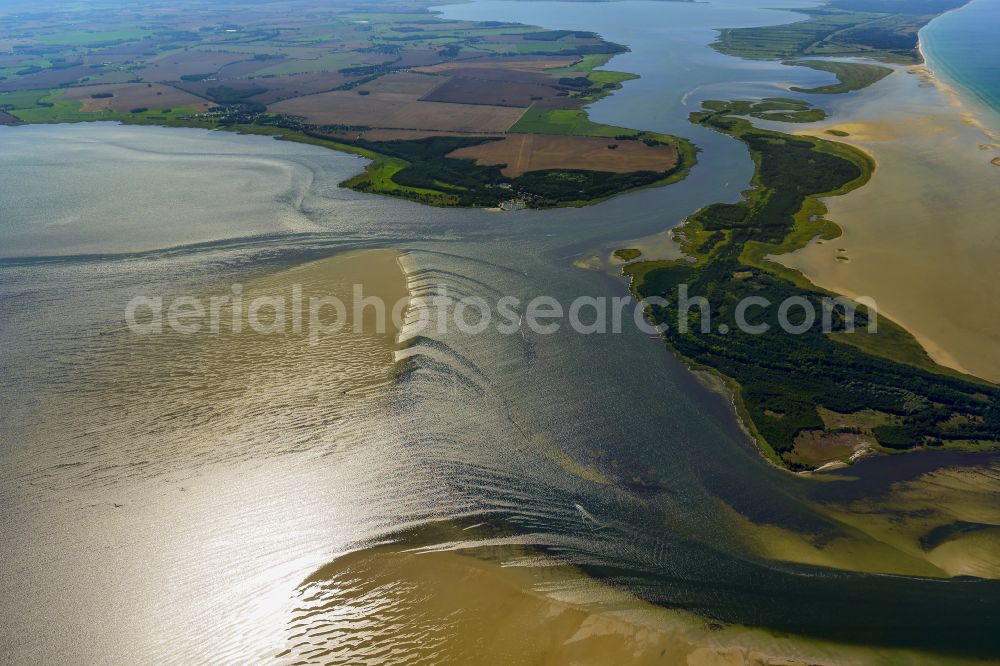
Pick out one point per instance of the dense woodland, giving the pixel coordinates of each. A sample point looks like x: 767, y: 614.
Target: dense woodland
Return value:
x: 429, y: 168
x: 784, y: 377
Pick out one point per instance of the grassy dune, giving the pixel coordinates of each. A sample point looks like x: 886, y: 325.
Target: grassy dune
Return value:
x: 851, y: 75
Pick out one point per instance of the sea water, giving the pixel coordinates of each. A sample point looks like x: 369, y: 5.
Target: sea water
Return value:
x: 189, y: 535
x: 962, y: 47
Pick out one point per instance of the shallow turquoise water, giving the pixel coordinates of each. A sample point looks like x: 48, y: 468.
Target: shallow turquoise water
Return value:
x: 963, y: 46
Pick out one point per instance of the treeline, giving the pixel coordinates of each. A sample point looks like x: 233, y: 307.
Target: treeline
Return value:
x: 784, y: 377
x: 430, y: 168
x: 476, y: 185
x: 556, y: 187
x: 556, y: 35
x: 237, y: 97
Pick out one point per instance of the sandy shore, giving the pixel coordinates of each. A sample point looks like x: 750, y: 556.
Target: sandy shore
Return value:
x: 887, y: 534
x: 507, y: 606
x: 921, y: 237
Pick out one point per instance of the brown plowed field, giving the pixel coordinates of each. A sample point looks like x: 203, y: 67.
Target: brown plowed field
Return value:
x: 128, y: 96
x: 526, y: 64
x: 468, y: 90
x: 405, y: 135
x: 535, y: 152
x: 397, y: 111
x: 175, y: 65
x: 296, y: 85
x: 49, y: 78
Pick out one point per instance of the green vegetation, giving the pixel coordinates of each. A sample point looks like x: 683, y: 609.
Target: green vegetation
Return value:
x: 44, y: 106
x: 881, y: 29
x: 421, y: 170
x: 780, y: 379
x: 555, y: 35
x: 574, y: 122
x: 851, y: 75
x: 587, y: 63
x: 610, y: 80
x: 591, y: 85
x: 836, y: 132
x: 771, y: 108
x: 24, y: 99
x: 628, y: 253
x: 248, y: 67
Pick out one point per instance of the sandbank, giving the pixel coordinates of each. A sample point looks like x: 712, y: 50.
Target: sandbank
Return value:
x: 919, y: 237
x: 503, y: 605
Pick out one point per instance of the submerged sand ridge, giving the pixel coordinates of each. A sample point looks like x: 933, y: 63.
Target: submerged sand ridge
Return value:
x: 189, y: 398
x: 941, y: 523
x: 501, y: 604
x: 921, y: 238
x: 176, y: 505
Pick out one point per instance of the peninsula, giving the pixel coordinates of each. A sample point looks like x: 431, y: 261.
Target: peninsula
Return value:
x: 822, y: 396
x: 450, y: 113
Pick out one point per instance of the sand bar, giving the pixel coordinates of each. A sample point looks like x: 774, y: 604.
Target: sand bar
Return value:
x: 519, y: 608
x: 921, y: 238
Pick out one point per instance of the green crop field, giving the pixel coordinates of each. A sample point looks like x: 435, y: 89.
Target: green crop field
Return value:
x: 565, y: 121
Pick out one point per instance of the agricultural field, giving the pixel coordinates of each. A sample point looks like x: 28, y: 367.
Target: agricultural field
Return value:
x: 186, y: 65
x: 570, y: 122
x: 427, y: 170
x: 531, y: 152
x: 397, y: 111
x: 496, y: 87
x: 123, y: 97
x: 400, y: 86
x: 552, y: 65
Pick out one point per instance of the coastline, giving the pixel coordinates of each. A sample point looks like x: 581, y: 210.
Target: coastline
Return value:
x: 938, y: 79
x: 526, y: 607
x: 949, y: 83
x: 809, y: 224
x: 377, y: 176
x: 351, y: 481
x: 910, y: 222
